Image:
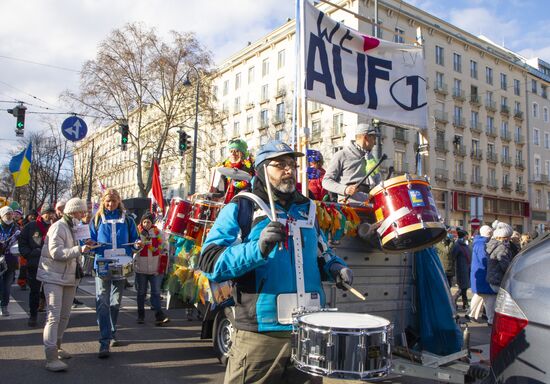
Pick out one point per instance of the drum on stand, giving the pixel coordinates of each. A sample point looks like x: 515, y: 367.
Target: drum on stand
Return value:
x: 407, y: 213
x: 351, y: 346
x: 177, y: 217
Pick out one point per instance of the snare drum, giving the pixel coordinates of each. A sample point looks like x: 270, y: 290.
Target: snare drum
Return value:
x: 205, y: 211
x: 351, y: 346
x: 407, y: 213
x: 177, y: 217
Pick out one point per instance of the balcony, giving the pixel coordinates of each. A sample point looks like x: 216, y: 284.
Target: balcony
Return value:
x: 440, y: 88
x: 492, y: 183
x: 519, y: 139
x: 460, y: 178
x: 476, y: 127
x: 491, y: 132
x: 520, y: 164
x: 518, y: 115
x: 506, y: 161
x: 475, y: 100
x: 491, y: 106
x: 441, y: 117
x: 441, y: 174
x: 520, y: 188
x: 459, y: 150
x: 504, y: 110
x: 505, y: 136
x: 458, y: 122
x: 281, y: 92
x: 249, y: 106
x: 263, y: 125
x: 476, y: 154
x: 492, y: 157
x: 315, y: 136
x: 276, y: 120
x: 540, y: 178
x: 458, y: 94
x: 476, y: 181
x: 400, y: 136
x: 506, y: 186
x: 441, y: 146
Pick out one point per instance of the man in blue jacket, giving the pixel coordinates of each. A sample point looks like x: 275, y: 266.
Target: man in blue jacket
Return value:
x: 483, y: 293
x: 264, y: 266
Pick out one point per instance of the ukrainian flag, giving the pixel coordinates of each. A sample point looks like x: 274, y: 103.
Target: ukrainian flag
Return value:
x: 20, y: 166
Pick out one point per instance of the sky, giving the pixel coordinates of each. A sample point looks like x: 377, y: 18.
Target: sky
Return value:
x: 61, y: 35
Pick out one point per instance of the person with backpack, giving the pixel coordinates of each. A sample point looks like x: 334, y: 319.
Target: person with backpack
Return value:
x: 146, y: 266
x: 261, y: 258
x: 114, y: 232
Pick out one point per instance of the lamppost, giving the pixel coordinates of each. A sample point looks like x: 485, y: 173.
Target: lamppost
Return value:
x: 195, y: 130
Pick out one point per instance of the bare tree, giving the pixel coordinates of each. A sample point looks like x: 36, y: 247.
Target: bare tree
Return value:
x: 139, y: 78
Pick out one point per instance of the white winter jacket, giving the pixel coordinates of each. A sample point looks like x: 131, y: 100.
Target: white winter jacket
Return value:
x: 59, y: 256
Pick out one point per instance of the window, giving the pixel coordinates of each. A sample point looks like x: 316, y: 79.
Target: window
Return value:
x: 225, y: 87
x: 490, y: 123
x: 265, y: 67
x: 316, y: 130
x: 503, y: 81
x: 250, y: 75
x: 338, y: 124
x: 264, y: 95
x: 490, y: 148
x: 516, y: 87
x: 281, y: 59
x: 545, y: 114
x: 534, y: 86
x: 457, y: 88
x: 504, y: 129
x: 536, y: 137
x: 543, y: 92
x: 398, y: 36
x: 439, y: 55
x: 475, y: 146
x: 457, y: 62
x: 474, y: 117
x: 237, y: 81
x: 505, y: 152
x: 489, y: 98
x: 518, y: 134
x: 280, y: 112
x: 458, y: 116
x: 280, y: 86
x: 237, y: 104
x: 538, y: 199
x: 264, y: 118
x: 439, y: 80
x: 548, y: 201
x: 547, y: 167
x: 537, y: 166
x: 503, y: 101
x: 473, y: 69
x: 519, y: 155
x: 249, y: 124
x: 546, y: 140
x: 535, y: 110
x: 517, y: 107
x: 489, y: 75
x: 236, y: 128
x: 398, y: 161
x: 492, y: 175
x: 476, y: 172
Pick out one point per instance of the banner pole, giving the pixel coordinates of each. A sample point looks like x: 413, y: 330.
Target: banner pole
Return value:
x: 303, y: 123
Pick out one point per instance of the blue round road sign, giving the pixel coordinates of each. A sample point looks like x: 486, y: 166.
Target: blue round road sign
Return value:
x: 74, y: 128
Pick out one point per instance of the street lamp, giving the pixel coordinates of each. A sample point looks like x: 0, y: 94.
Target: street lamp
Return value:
x: 195, y: 130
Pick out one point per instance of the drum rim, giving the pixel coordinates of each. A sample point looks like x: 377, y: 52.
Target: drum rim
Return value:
x: 399, y: 180
x: 410, y: 228
x: 342, y: 374
x: 208, y: 202
x: 300, y: 320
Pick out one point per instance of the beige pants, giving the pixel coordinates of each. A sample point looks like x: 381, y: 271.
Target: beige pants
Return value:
x: 59, y: 301
x: 262, y: 358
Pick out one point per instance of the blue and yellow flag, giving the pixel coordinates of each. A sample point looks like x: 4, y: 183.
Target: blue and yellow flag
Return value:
x: 20, y: 166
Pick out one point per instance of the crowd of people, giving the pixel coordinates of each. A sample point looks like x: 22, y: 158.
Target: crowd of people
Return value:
x: 252, y: 254
x: 479, y: 264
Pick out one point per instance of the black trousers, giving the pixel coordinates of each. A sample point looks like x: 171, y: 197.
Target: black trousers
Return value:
x: 34, y: 294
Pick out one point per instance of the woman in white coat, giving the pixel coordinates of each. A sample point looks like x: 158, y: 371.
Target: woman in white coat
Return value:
x: 60, y: 272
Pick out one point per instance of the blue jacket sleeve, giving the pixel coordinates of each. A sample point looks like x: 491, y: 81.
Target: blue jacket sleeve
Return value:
x: 223, y: 257
x: 328, y: 258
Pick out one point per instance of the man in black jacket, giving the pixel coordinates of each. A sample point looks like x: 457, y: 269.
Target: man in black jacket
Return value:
x: 31, y: 241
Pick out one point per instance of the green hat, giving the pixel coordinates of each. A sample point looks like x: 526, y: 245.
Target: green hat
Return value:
x: 15, y: 205
x: 239, y: 145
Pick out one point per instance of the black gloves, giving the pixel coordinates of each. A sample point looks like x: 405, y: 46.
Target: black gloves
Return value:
x: 341, y: 274
x: 273, y: 233
x: 369, y: 234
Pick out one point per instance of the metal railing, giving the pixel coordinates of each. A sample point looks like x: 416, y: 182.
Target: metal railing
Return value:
x: 476, y: 126
x: 460, y: 177
x: 441, y: 174
x: 491, y: 106
x: 458, y: 122
x: 475, y: 100
x: 492, y: 157
x: 476, y: 154
x: 476, y: 180
x: 441, y: 116
x: 441, y: 146
x: 440, y: 88
x: 506, y: 161
x: 459, y: 150
x: 458, y: 94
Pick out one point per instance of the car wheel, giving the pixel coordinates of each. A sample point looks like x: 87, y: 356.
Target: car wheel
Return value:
x: 222, y: 334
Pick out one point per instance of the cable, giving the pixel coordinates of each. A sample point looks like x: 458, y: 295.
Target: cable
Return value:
x: 28, y: 94
x: 37, y: 63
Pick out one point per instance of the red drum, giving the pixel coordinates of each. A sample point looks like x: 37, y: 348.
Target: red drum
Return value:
x: 407, y: 213
x: 177, y: 217
x: 205, y: 211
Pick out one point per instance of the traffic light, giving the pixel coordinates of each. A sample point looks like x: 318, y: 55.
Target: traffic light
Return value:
x: 124, y: 132
x: 183, y: 142
x: 19, y: 113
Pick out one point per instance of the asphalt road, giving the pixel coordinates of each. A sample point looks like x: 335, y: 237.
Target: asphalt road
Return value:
x: 173, y: 353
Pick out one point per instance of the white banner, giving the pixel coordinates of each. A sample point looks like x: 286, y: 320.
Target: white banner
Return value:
x: 363, y: 74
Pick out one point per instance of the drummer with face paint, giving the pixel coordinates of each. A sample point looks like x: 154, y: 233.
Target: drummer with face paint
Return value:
x: 263, y: 264
x: 239, y: 158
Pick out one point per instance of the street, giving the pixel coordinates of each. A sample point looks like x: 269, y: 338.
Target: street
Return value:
x: 149, y: 354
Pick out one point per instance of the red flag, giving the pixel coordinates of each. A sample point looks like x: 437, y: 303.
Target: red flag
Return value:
x: 156, y: 190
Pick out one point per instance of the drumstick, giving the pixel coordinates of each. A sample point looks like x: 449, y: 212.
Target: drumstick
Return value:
x: 271, y: 201
x: 353, y: 290
x: 382, y: 158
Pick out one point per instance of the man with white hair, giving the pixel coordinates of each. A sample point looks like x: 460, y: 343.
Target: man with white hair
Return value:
x: 483, y: 294
x: 499, y: 255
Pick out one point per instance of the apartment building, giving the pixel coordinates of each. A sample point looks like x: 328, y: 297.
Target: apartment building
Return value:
x: 483, y: 145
